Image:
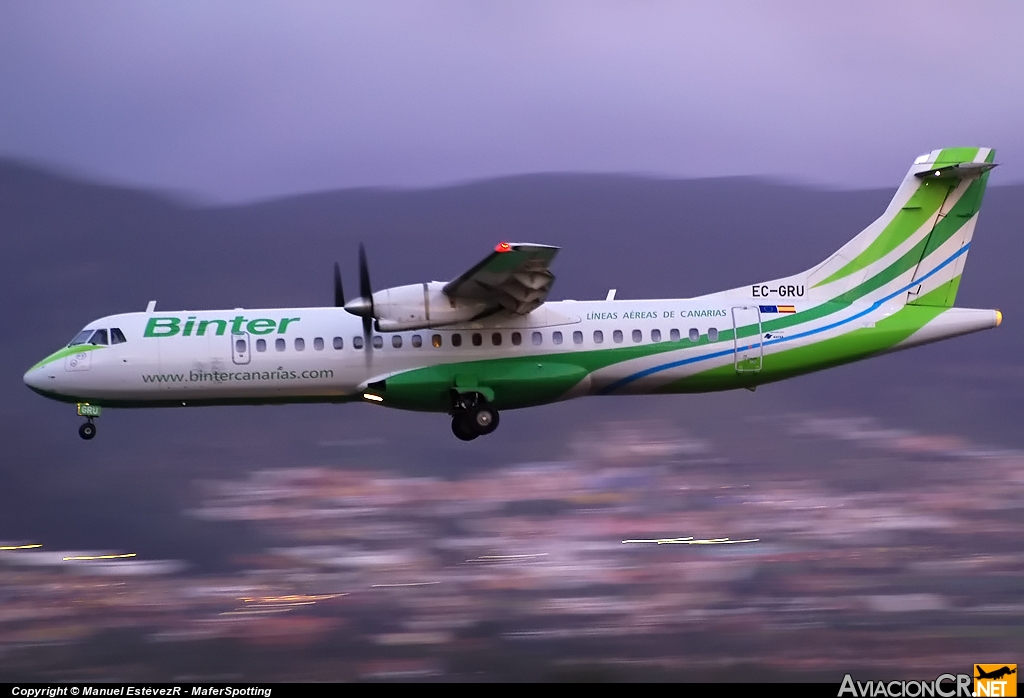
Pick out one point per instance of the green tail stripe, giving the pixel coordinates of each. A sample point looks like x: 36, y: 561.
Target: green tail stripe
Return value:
x: 943, y: 296
x: 940, y: 297
x: 962, y: 212
x: 952, y: 156
x: 918, y: 210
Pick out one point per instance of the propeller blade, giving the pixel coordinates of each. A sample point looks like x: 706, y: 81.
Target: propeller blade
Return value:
x: 365, y: 289
x: 366, y: 293
x: 339, y: 291
x: 367, y: 336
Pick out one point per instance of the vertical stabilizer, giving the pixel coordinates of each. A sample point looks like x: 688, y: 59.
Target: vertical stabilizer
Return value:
x: 922, y: 238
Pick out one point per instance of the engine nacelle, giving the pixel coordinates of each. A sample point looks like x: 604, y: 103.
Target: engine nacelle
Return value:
x: 418, y: 306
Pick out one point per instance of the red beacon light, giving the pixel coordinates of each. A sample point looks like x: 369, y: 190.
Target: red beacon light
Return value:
x: 503, y: 247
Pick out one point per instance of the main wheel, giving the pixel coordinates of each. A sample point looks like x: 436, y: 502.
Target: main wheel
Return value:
x: 87, y: 430
x: 482, y: 418
x: 462, y: 428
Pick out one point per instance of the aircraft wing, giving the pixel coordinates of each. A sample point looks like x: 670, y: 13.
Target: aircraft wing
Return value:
x: 514, y: 277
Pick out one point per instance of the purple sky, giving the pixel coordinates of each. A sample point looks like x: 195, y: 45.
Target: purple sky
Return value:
x: 238, y: 100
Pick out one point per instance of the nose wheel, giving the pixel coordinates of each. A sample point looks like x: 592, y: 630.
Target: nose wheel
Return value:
x: 90, y: 412
x: 472, y: 416
x: 87, y: 430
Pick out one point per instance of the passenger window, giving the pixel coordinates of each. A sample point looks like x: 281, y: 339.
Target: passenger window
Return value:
x: 240, y: 346
x: 261, y: 345
x: 617, y: 336
x: 674, y: 335
x: 556, y: 337
x: 538, y: 338
x: 577, y: 337
x: 517, y: 338
x: 279, y: 344
x: 339, y: 343
x: 436, y: 341
x: 456, y: 340
x: 378, y: 342
x: 478, y: 339
x: 655, y: 335
x: 712, y: 334
x: 496, y: 339
x: 357, y: 342
x: 638, y: 336
x: 80, y: 338
x: 318, y: 343
x: 598, y: 337
x: 417, y: 341
x: 694, y: 334
x: 396, y: 341
x: 300, y: 344
x: 116, y: 336
x: 99, y: 337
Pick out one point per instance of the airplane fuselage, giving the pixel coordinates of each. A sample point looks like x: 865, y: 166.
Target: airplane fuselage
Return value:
x: 562, y: 350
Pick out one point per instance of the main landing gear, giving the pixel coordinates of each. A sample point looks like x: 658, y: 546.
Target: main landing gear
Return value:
x: 472, y: 416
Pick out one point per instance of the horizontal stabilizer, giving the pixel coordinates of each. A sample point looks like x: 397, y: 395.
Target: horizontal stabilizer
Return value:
x: 960, y: 170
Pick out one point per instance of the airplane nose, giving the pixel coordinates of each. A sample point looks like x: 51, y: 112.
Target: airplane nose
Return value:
x: 35, y: 378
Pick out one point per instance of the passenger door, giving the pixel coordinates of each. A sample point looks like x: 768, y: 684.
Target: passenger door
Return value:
x: 749, y: 349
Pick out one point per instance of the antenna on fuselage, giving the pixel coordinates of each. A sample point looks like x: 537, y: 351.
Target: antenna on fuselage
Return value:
x: 151, y: 306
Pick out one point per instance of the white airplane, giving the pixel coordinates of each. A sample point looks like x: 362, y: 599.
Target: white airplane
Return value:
x: 488, y: 340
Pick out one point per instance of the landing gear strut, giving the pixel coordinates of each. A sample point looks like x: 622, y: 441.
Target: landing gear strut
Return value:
x: 472, y: 416
x: 87, y: 430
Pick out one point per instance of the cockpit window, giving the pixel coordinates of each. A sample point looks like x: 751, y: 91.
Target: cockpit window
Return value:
x: 81, y: 338
x: 116, y: 336
x: 99, y: 337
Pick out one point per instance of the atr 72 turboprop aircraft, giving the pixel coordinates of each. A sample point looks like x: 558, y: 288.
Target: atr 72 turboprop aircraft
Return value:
x: 487, y: 340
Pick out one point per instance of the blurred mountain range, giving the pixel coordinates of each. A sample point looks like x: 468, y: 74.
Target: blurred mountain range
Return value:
x: 71, y: 251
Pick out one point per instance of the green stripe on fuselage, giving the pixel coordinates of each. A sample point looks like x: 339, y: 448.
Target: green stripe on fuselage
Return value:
x: 67, y: 351
x: 531, y: 380
x: 507, y: 383
x: 851, y: 346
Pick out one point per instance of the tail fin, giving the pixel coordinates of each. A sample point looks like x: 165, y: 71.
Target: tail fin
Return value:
x: 921, y: 241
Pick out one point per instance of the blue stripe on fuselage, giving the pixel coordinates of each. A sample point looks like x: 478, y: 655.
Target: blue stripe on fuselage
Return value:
x: 874, y: 306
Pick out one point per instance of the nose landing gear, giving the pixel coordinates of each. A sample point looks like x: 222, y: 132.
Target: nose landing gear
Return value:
x: 472, y: 416
x: 90, y: 412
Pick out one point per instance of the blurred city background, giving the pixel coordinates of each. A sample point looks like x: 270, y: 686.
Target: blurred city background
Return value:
x: 864, y: 519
